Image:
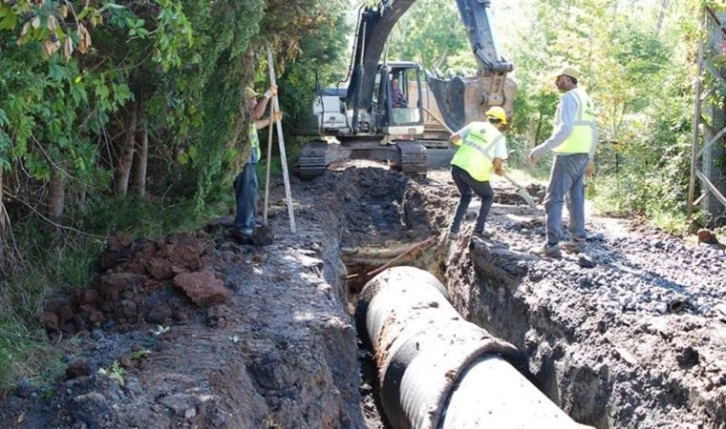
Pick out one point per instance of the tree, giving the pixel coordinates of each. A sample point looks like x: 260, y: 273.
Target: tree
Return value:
x: 431, y: 33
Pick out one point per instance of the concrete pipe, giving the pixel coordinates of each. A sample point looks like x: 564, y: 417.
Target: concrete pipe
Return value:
x: 437, y: 370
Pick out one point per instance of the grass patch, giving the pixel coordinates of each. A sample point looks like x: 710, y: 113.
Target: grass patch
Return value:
x: 613, y: 196
x: 674, y: 223
x: 139, y: 217
x: 25, y: 354
x: 48, y: 263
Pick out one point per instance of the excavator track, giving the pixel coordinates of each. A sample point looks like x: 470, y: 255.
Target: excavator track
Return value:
x: 312, y: 160
x: 414, y: 158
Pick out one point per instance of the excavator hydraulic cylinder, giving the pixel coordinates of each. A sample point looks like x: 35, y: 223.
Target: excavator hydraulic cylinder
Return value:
x: 436, y: 370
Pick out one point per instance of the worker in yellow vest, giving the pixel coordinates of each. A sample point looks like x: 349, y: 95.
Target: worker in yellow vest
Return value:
x: 573, y: 141
x: 245, y: 184
x: 482, y: 150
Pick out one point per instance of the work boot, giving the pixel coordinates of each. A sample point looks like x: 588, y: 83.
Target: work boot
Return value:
x: 241, y: 236
x: 482, y: 235
x: 550, y: 250
x: 575, y: 245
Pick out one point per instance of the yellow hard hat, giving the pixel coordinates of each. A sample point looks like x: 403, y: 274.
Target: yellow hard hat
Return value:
x: 250, y: 93
x: 497, y: 112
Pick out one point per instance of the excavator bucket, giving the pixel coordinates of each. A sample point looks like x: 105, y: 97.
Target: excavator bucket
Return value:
x: 449, y: 99
x: 466, y: 99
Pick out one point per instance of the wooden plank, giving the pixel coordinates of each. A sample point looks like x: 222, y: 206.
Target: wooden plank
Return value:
x: 707, y: 183
x: 711, y: 141
x: 715, y: 74
x: 700, y: 198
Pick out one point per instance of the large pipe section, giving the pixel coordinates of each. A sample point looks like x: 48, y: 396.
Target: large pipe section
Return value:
x: 438, y: 371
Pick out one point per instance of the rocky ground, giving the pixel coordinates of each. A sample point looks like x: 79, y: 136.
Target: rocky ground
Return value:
x: 199, y: 331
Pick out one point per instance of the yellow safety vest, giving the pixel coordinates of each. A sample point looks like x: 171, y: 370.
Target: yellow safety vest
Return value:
x: 475, y: 153
x: 255, y: 143
x: 580, y: 140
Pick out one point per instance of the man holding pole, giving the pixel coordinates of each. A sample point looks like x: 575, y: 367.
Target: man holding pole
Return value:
x: 245, y: 184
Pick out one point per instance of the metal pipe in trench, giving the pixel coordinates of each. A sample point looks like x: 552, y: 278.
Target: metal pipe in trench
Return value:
x: 437, y: 370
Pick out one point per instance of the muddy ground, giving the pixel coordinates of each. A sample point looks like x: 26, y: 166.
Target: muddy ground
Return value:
x: 198, y: 331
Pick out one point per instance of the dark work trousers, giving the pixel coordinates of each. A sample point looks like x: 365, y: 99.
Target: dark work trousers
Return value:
x: 245, y: 192
x: 466, y: 184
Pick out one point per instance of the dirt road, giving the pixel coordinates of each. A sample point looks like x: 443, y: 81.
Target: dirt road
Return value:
x: 199, y: 331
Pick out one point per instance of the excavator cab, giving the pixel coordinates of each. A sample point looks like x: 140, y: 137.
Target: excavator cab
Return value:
x: 385, y: 127
x: 396, y: 101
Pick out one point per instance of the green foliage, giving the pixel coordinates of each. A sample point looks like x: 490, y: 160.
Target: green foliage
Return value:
x: 437, y: 40
x: 634, y: 63
x: 71, y: 74
x: 115, y: 372
x: 323, y: 59
x: 138, y: 217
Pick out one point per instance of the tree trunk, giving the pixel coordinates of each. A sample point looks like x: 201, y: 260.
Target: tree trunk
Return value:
x: 3, y: 216
x: 533, y: 130
x: 126, y: 154
x: 56, y: 194
x: 661, y: 16
x: 141, y: 158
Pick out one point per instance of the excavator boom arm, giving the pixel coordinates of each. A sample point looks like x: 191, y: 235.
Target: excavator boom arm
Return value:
x: 374, y: 27
x: 476, y: 18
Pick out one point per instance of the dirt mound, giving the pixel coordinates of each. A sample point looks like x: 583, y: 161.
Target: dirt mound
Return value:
x: 142, y: 283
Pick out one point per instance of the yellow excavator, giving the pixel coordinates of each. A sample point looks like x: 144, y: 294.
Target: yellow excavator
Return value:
x: 368, y: 119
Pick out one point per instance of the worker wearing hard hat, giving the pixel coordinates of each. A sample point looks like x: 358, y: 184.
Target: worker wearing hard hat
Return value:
x: 245, y: 184
x: 573, y: 141
x: 482, y: 149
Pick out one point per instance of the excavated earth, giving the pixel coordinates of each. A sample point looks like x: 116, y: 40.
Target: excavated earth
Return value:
x: 198, y: 331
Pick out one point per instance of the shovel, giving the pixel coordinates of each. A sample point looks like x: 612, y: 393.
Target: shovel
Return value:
x: 520, y: 189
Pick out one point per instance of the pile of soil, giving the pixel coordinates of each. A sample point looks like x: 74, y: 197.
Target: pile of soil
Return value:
x: 198, y: 330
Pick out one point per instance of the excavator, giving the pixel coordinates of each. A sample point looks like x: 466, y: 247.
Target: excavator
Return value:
x: 367, y: 119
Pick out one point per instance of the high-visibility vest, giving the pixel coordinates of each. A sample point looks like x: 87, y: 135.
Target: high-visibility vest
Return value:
x: 580, y: 140
x: 255, y: 143
x: 475, y: 154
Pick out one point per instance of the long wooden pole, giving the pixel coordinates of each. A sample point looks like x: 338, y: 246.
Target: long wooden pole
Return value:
x: 267, y: 169
x: 281, y: 141
x: 520, y: 189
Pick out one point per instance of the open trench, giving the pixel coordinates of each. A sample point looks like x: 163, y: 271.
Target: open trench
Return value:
x: 391, y: 221
x: 591, y: 354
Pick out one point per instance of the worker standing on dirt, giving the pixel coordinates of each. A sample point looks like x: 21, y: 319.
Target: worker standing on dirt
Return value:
x: 482, y: 149
x: 245, y: 185
x: 574, y: 141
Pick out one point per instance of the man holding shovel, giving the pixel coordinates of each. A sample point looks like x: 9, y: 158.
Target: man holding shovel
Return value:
x: 482, y: 149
